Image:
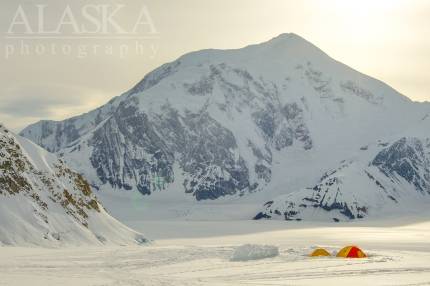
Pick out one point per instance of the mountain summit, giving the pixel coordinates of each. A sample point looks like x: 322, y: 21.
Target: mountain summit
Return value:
x: 266, y: 121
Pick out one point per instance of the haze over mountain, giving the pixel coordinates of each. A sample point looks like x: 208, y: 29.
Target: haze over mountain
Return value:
x: 278, y: 123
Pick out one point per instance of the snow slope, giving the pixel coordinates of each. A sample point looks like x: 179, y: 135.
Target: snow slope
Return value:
x: 43, y: 202
x: 239, y: 127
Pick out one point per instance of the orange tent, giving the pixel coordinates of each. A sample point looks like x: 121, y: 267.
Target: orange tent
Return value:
x: 320, y: 252
x: 351, y: 252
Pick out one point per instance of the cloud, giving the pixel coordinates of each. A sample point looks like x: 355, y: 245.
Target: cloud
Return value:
x: 20, y: 106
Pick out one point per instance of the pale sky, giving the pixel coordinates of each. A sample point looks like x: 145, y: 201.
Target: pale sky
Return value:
x: 386, y: 39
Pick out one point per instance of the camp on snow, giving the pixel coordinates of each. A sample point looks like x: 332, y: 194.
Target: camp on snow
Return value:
x: 320, y: 252
x: 351, y: 252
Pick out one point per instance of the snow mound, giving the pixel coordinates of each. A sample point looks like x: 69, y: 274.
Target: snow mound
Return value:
x: 253, y: 252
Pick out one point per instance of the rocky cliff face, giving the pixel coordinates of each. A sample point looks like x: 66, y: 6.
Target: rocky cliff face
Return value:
x: 407, y: 159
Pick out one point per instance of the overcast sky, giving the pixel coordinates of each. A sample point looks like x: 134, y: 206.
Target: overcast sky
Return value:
x: 56, y: 61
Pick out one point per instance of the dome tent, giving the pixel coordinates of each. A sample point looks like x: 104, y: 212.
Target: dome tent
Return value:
x: 351, y: 252
x: 320, y: 252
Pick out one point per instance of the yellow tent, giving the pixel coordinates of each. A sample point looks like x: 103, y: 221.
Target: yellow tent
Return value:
x: 351, y: 252
x: 320, y: 252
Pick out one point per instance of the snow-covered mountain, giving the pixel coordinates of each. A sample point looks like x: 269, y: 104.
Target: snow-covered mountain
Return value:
x: 381, y: 178
x: 259, y: 122
x: 43, y: 202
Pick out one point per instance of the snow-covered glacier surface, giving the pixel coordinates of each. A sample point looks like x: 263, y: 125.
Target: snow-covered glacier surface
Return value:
x: 199, y: 254
x: 273, y: 130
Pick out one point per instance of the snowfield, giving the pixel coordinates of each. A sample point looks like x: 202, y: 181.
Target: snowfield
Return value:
x: 198, y: 253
